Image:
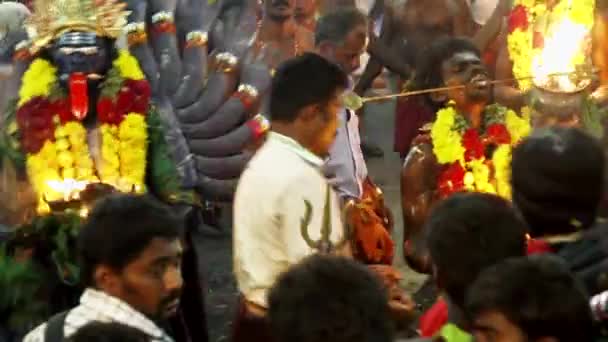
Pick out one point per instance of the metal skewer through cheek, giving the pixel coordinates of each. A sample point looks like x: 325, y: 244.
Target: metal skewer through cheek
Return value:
x: 433, y: 90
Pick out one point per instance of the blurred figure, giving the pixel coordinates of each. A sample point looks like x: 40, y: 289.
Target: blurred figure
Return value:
x: 108, y: 332
x: 531, y: 299
x: 557, y: 182
x: 306, y: 13
x: 467, y: 233
x: 279, y: 37
x: 326, y: 298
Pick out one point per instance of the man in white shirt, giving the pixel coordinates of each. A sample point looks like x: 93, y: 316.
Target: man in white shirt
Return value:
x: 270, y: 202
x: 131, y: 256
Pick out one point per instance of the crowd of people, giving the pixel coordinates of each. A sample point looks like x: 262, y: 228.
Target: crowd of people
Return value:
x: 502, y: 210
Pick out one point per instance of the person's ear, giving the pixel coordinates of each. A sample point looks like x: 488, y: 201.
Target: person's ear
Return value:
x: 106, y: 279
x: 309, y: 113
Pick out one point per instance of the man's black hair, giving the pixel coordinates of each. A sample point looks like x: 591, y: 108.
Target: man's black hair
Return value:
x: 328, y: 298
x: 335, y: 26
x: 538, y: 294
x: 558, y: 180
x: 108, y: 332
x: 303, y: 81
x: 119, y: 228
x: 468, y: 232
x: 428, y: 71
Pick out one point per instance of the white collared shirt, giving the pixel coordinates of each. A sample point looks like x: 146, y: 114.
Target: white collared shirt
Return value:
x: 268, y: 211
x: 97, y: 306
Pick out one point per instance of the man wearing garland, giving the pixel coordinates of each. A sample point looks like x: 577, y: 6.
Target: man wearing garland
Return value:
x: 467, y: 147
x: 82, y: 127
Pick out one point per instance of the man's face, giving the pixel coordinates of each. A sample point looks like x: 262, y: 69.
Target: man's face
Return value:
x: 280, y: 10
x: 80, y: 52
x: 348, y: 54
x: 466, y: 69
x: 324, y: 124
x: 306, y: 8
x: 495, y: 327
x: 152, y: 283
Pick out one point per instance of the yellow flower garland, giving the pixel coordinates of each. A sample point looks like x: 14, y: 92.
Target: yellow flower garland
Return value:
x: 123, y: 147
x: 520, y: 42
x: 448, y: 148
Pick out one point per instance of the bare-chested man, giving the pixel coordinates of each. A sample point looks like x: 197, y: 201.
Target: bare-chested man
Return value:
x: 306, y: 13
x: 279, y: 36
x: 419, y: 28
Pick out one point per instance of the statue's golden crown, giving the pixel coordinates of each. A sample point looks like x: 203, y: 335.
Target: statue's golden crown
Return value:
x: 52, y: 18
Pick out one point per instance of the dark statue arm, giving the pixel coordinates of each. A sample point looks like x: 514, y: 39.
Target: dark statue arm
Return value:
x: 418, y: 195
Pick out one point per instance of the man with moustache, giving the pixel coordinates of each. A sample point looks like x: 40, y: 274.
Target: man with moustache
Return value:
x: 279, y: 37
x: 419, y: 28
x: 341, y: 38
x: 131, y: 255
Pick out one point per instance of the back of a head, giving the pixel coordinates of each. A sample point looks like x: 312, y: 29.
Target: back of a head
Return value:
x: 538, y: 294
x: 108, y: 332
x: 303, y: 81
x: 327, y: 298
x: 119, y: 228
x: 335, y: 26
x: 468, y: 232
x: 557, y: 180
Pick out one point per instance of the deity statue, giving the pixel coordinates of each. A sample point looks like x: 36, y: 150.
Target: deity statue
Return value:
x: 466, y: 148
x: 89, y: 119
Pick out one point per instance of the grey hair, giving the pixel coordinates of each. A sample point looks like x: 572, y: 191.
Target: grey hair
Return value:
x: 335, y: 26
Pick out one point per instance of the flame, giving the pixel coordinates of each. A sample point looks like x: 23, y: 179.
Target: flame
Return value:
x: 69, y: 188
x: 560, y: 55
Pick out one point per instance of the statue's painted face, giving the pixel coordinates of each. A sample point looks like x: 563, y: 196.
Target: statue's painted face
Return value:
x: 80, y: 52
x: 466, y: 69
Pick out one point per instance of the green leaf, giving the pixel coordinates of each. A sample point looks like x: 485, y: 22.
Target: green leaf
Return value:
x: 112, y: 84
x: 451, y: 333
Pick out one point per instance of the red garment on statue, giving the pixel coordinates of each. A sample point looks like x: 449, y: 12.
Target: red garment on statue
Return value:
x: 437, y: 316
x: 412, y: 113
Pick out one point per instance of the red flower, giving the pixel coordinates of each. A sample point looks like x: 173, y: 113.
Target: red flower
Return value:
x: 107, y: 113
x: 538, y: 40
x: 498, y: 134
x: 62, y: 108
x: 518, y: 18
x: 451, y: 180
x: 35, y: 121
x: 472, y: 145
x: 134, y: 96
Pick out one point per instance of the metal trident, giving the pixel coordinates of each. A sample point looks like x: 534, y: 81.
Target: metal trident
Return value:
x: 324, y: 244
